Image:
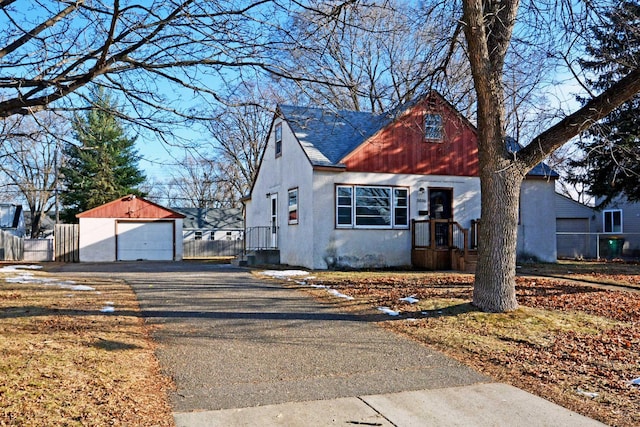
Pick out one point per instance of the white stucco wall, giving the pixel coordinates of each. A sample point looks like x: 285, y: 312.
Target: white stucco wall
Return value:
x: 97, y: 239
x: 537, y: 228
x: 277, y: 176
x: 362, y: 248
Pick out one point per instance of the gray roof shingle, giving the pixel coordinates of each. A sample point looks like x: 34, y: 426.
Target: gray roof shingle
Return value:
x: 328, y: 136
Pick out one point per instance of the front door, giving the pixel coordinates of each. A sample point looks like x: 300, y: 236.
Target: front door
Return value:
x: 274, y: 220
x: 441, y: 207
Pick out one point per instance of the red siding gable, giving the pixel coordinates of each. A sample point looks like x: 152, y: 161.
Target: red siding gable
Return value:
x: 401, y: 147
x: 130, y: 207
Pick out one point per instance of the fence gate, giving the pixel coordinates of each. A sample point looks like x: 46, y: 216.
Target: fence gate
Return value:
x: 67, y: 242
x: 38, y: 250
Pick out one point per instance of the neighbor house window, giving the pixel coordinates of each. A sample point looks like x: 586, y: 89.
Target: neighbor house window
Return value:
x: 278, y: 139
x: 612, y: 221
x: 198, y: 235
x: 433, y: 127
x: 371, y: 207
x: 293, y: 206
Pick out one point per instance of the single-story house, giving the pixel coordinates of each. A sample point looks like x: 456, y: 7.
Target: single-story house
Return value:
x: 12, y: 219
x: 349, y: 189
x: 588, y: 233
x: 130, y: 228
x: 212, y: 224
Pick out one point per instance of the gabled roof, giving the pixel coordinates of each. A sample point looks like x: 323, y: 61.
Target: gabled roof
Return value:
x: 327, y: 136
x: 203, y: 218
x: 130, y: 206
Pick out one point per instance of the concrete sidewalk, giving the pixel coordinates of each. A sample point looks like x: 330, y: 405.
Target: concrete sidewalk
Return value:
x: 477, y: 405
x: 249, y: 352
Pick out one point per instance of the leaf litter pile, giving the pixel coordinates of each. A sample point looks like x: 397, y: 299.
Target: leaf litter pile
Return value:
x: 574, y: 344
x: 77, y: 355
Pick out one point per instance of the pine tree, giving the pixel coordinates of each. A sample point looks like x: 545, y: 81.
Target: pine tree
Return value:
x: 103, y: 165
x: 611, y: 166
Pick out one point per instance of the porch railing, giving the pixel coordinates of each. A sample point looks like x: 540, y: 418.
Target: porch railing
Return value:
x: 439, y: 234
x: 260, y: 238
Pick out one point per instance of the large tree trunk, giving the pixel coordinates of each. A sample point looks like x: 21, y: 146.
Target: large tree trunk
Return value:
x: 488, y: 27
x: 494, y: 288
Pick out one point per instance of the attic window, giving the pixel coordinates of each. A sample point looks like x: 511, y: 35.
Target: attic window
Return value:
x: 278, y: 139
x: 433, y: 127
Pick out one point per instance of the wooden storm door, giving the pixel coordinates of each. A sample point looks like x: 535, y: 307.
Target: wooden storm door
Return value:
x: 441, y: 208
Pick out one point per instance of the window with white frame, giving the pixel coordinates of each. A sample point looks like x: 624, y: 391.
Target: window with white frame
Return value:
x: 198, y: 235
x: 293, y: 206
x: 360, y: 206
x: 278, y: 139
x: 433, y: 127
x: 612, y: 221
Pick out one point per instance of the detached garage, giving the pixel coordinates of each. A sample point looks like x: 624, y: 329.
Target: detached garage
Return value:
x: 130, y: 229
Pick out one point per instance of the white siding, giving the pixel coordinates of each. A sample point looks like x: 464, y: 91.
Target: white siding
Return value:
x: 97, y: 239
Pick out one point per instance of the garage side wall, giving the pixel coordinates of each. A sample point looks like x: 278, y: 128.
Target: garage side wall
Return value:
x: 97, y: 240
x: 178, y: 239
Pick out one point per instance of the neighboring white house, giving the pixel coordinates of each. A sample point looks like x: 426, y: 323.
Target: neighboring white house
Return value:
x: 212, y: 224
x: 338, y: 189
x: 130, y: 228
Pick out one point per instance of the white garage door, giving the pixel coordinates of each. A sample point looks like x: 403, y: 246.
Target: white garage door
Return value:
x: 145, y: 241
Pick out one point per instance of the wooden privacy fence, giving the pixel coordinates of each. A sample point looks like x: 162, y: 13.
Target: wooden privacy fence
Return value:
x: 67, y: 242
x: 11, y: 247
x: 38, y: 250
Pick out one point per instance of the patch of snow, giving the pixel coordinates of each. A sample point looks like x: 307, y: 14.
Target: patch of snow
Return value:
x: 13, y: 268
x: 387, y: 310
x: 107, y: 309
x: 29, y: 278
x: 338, y: 294
x: 410, y: 299
x: 635, y: 382
x: 590, y: 394
x: 76, y: 287
x: 284, y: 274
x: 319, y: 286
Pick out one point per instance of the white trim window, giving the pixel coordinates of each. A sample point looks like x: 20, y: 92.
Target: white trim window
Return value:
x: 433, y: 127
x: 612, y: 221
x: 366, y: 206
x: 293, y: 206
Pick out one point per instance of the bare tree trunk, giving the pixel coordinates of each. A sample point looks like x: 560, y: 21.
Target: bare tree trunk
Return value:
x: 494, y: 289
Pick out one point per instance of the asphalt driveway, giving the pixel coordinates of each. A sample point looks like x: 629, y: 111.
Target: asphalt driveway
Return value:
x: 230, y: 340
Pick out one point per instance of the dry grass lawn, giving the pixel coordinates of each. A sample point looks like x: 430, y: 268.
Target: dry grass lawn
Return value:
x: 570, y: 342
x: 65, y: 362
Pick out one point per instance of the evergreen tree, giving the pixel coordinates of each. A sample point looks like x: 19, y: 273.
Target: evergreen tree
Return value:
x: 611, y: 165
x: 104, y: 165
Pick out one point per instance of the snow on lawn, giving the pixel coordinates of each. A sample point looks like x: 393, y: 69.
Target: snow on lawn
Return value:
x: 387, y: 310
x: 26, y: 277
x: 301, y: 274
x: 285, y: 274
x: 410, y: 299
x: 338, y: 294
